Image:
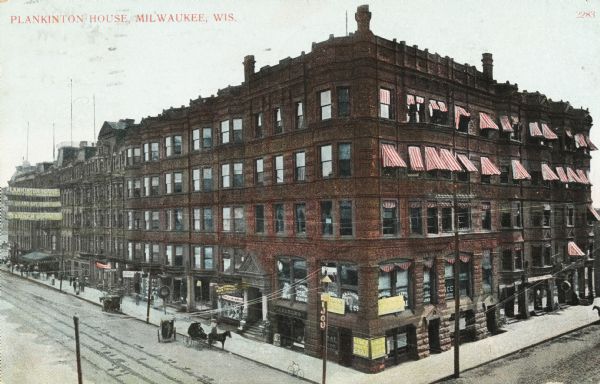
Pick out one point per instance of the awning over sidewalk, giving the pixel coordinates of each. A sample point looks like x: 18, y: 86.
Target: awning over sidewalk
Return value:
x: 36, y: 257
x: 574, y: 250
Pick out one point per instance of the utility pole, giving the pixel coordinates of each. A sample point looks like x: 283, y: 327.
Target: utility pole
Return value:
x: 149, y: 294
x: 323, y: 325
x: 78, y: 356
x: 456, y: 289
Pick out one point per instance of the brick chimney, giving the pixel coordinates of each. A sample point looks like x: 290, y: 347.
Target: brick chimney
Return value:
x: 363, y: 19
x: 488, y: 66
x: 248, y: 67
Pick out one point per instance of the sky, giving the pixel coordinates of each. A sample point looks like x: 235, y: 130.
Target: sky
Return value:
x: 134, y: 69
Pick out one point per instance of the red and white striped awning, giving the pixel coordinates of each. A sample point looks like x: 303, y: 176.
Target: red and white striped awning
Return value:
x: 486, y: 122
x: 387, y: 268
x: 505, y: 123
x: 415, y: 159
x: 582, y: 176
x: 548, y: 133
x: 548, y: 174
x: 572, y: 176
x: 487, y: 167
x: 534, y: 130
x: 450, y: 161
x: 574, y: 250
x: 384, y: 96
x: 519, y: 172
x: 443, y: 107
x: 464, y: 258
x: 469, y: 166
x: 420, y: 100
x: 404, y: 265
x: 433, y: 104
x: 562, y: 175
x: 410, y: 99
x: 390, y: 157
x: 100, y: 265
x: 458, y: 112
x: 389, y: 204
x: 433, y: 160
x: 591, y: 145
x: 580, y: 140
x: 594, y: 212
x: 568, y: 133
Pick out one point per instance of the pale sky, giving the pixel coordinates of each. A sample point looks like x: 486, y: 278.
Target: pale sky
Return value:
x: 138, y: 69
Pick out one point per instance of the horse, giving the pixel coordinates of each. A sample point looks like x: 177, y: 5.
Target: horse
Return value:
x: 212, y: 337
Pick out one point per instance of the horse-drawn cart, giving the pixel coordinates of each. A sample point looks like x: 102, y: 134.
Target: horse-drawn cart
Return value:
x: 167, y: 331
x: 111, y: 303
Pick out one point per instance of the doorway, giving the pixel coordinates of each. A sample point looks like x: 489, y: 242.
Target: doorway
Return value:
x: 434, y: 336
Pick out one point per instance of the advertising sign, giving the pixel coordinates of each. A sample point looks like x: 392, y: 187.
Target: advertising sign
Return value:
x: 390, y: 305
x: 360, y: 347
x: 378, y: 348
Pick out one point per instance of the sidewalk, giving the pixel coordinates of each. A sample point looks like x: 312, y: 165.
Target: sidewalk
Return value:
x: 518, y: 336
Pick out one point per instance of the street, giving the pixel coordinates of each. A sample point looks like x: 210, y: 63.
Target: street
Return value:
x: 572, y: 358
x: 38, y: 345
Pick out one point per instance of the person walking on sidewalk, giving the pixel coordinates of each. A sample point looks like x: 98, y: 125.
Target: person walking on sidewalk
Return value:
x: 75, y: 286
x: 82, y: 284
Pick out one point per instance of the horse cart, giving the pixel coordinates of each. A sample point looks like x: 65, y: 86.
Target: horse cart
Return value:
x: 111, y: 303
x: 167, y: 331
x: 196, y: 335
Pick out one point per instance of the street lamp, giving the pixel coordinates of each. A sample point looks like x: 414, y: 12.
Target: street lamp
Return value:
x: 323, y: 323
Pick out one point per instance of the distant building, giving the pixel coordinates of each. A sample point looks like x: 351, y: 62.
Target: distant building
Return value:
x: 360, y: 160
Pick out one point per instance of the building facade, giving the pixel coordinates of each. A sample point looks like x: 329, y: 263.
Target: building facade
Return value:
x: 364, y: 160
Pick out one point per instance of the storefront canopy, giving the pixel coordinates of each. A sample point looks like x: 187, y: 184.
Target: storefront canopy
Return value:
x: 36, y: 257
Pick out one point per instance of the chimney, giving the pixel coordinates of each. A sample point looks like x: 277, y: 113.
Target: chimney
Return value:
x: 248, y: 67
x: 488, y: 66
x: 363, y: 19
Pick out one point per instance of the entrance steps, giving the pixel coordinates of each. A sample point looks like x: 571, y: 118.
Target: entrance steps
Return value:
x: 253, y: 332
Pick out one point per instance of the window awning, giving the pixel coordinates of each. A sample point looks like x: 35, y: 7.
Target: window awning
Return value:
x: 389, y: 204
x: 519, y: 171
x: 450, y: 161
x: 469, y: 166
x: 433, y: 160
x: 458, y: 112
x: 591, y: 145
x: 534, y: 130
x: 568, y: 133
x: 574, y: 250
x: 548, y: 174
x: 580, y: 140
x: 488, y: 168
x: 433, y: 104
x: 486, y: 122
x: 419, y: 100
x: 390, y: 157
x: 505, y: 123
x: 594, y: 212
x: 415, y: 159
x: 410, y: 99
x: 572, y: 176
x: 443, y: 107
x: 548, y: 133
x: 582, y: 176
x: 562, y: 175
x: 384, y: 96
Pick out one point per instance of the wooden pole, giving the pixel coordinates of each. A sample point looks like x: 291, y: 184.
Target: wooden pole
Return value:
x: 456, y: 289
x: 324, y: 314
x: 76, y: 321
x: 149, y: 294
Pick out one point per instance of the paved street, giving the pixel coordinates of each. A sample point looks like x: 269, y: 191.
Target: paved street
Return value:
x: 38, y: 345
x: 572, y: 358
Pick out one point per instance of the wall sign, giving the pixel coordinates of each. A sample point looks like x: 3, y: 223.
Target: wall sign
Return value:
x: 390, y: 305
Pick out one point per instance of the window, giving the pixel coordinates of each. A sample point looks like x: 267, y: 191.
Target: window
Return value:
x: 146, y: 152
x: 196, y: 179
x: 343, y: 106
x: 154, y: 152
x: 300, y: 166
x: 385, y: 102
x: 207, y: 179
x: 326, y: 165
x: 389, y: 216
x: 344, y: 283
x: 465, y: 285
x: 416, y: 224
x: 486, y: 216
x: 292, y: 277
x: 277, y: 122
x: 225, y: 132
x: 486, y: 271
x: 504, y: 178
x: 226, y: 219
x: 237, y: 130
x: 486, y: 179
x: 344, y: 160
x: 570, y: 216
x: 238, y: 175
x: 258, y: 125
x: 299, y: 115
x: 464, y: 218
x: 278, y: 217
x: 197, y: 261
x: 196, y: 139
x: 207, y: 219
x: 518, y: 259
x: 447, y: 219
x: 177, y: 182
x: 197, y: 219
x: 346, y: 228
x: 259, y: 219
x: 233, y: 223
x: 226, y: 261
x: 300, y: 219
x: 429, y: 286
x: 516, y: 207
x: 206, y: 137
x: 259, y: 172
x: 278, y: 168
x: 536, y: 256
x: 179, y: 224
x: 395, y: 282
x: 173, y: 145
x: 327, y: 218
x: 449, y: 279
x: 155, y: 220
x: 147, y: 186
x: 432, y: 220
x: 207, y: 261
x: 178, y: 256
x: 325, y: 104
x: 225, y: 177
x: 137, y: 188
x: 507, y: 260
x: 168, y: 183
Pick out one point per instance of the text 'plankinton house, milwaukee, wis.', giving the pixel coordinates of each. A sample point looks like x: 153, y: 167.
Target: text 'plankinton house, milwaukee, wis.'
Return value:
x: 361, y: 160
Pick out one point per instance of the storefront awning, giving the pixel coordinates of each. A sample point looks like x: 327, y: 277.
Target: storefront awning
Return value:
x: 486, y: 122
x: 450, y: 161
x: 574, y: 250
x: 562, y: 175
x: 35, y: 257
x: 548, y: 133
x: 390, y: 157
x: 458, y: 112
x: 534, y: 129
x: 505, y: 123
x: 415, y: 159
x: 469, y: 166
x: 488, y: 168
x: 432, y: 159
x: 594, y: 212
x: 519, y: 171
x: 548, y: 174
x: 102, y: 265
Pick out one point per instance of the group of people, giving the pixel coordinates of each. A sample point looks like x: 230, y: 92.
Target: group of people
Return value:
x: 78, y: 286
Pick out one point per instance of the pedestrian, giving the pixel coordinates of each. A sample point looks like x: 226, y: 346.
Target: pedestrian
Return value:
x: 70, y: 280
x: 82, y: 284
x: 75, y: 286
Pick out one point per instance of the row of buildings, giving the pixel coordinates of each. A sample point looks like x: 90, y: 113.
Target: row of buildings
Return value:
x: 361, y: 160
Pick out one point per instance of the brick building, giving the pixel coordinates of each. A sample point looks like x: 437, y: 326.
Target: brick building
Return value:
x: 362, y: 160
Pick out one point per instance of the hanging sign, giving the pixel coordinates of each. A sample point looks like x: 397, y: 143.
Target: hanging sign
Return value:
x: 360, y: 347
x: 378, y: 348
x: 390, y: 305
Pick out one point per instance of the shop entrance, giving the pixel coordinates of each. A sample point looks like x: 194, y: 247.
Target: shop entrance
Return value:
x: 345, y: 350
x: 291, y: 331
x: 434, y: 336
x: 254, y: 306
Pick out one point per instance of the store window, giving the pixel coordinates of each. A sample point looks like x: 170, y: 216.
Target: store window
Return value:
x: 292, y: 276
x: 395, y: 280
x: 344, y: 277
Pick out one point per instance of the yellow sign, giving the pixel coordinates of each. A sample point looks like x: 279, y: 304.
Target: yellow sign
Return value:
x: 378, y: 348
x: 225, y: 289
x: 335, y: 305
x: 390, y: 305
x: 360, y: 347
